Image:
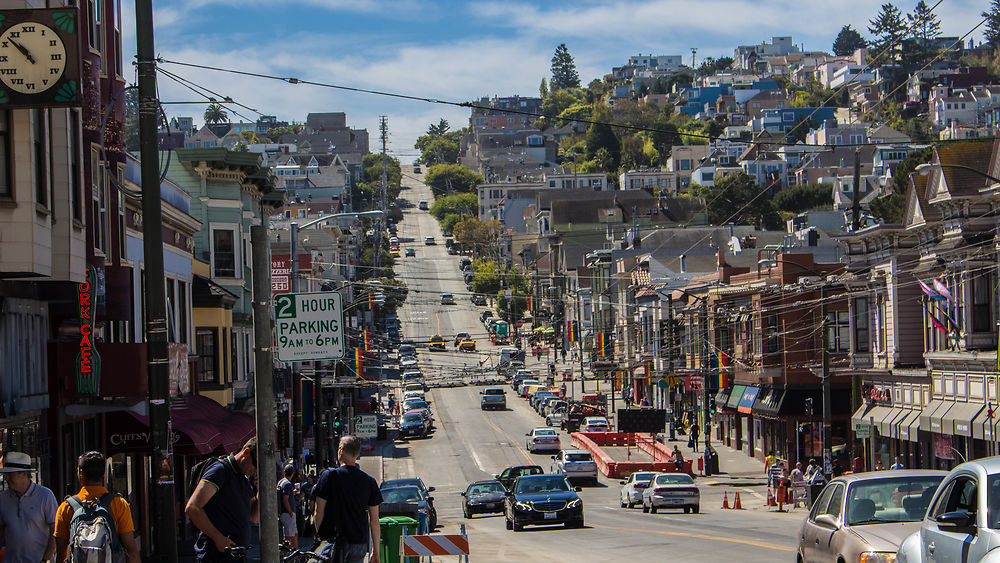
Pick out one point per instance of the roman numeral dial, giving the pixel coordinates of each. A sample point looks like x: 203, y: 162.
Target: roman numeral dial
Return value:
x: 32, y: 57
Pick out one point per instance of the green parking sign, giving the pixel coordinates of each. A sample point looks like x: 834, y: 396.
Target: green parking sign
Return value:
x: 309, y: 326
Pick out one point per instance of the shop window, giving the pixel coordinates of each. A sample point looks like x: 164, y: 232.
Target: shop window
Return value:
x: 837, y: 331
x: 224, y: 253
x: 861, y: 343
x: 206, y: 339
x: 771, y: 333
x: 982, y: 303
x: 38, y: 141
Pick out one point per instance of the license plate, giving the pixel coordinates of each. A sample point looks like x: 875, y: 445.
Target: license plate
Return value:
x: 492, y: 505
x: 550, y: 516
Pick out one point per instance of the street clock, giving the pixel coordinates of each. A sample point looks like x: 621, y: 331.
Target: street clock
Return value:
x: 39, y: 58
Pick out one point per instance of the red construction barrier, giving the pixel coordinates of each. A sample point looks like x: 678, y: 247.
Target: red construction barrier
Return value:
x: 592, y: 441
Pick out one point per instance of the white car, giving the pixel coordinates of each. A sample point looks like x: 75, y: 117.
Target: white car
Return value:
x: 555, y: 418
x: 671, y: 490
x: 407, y: 362
x: 414, y: 395
x: 447, y: 299
x: 542, y: 439
x: 595, y: 424
x: 575, y: 464
x: 422, y: 204
x: 632, y: 488
x: 429, y: 241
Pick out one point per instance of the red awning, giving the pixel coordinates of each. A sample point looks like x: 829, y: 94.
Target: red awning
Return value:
x: 200, y: 426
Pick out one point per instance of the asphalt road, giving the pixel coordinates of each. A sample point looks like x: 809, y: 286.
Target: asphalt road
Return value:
x: 470, y: 444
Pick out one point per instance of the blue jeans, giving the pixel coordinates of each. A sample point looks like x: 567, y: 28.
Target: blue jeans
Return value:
x: 355, y: 552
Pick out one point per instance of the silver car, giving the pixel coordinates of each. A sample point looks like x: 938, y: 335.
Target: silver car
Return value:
x: 542, y: 439
x: 671, y: 490
x: 962, y: 522
x: 632, y: 488
x: 865, y: 516
x: 575, y: 464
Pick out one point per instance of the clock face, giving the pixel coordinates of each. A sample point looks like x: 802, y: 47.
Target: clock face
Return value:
x: 32, y: 57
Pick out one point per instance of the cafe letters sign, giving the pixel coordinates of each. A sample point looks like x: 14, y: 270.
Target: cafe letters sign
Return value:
x: 88, y: 361
x: 877, y: 395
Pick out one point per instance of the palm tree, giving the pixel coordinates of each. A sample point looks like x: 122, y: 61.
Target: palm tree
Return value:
x: 215, y: 113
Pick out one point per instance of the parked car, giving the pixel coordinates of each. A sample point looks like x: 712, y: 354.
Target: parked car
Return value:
x: 522, y: 389
x: 437, y: 343
x: 632, y: 488
x: 415, y: 394
x: 542, y: 439
x: 478, y: 299
x: 406, y: 350
x: 672, y: 490
x: 410, y: 251
x: 413, y: 423
x: 575, y: 464
x: 467, y: 345
x: 460, y: 337
x: 407, y: 361
x: 539, y: 397
x: 483, y: 497
x: 447, y: 299
x: 510, y: 474
x: 485, y: 315
x: 416, y: 169
x: 493, y: 398
x: 422, y: 204
x: 551, y: 405
x: 464, y: 263
x: 595, y: 424
x: 411, y: 376
x: 453, y: 251
x: 555, y: 418
x: 905, y: 516
x: 543, y: 500
x: 413, y: 495
x: 429, y: 241
x: 414, y: 387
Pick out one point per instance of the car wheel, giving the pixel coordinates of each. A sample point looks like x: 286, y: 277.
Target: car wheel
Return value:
x: 517, y: 527
x: 595, y: 482
x: 687, y: 509
x: 645, y: 508
x: 466, y: 515
x: 652, y: 509
x: 509, y: 524
x: 629, y: 505
x: 624, y: 504
x: 695, y: 509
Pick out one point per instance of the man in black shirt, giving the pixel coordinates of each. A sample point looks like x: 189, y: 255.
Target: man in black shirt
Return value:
x: 346, y: 510
x: 222, y: 506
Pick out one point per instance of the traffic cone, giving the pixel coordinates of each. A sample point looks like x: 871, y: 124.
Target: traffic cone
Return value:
x: 725, y: 499
x: 738, y: 505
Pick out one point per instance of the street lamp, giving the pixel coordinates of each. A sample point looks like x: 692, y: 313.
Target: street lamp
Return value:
x: 826, y: 390
x: 925, y: 169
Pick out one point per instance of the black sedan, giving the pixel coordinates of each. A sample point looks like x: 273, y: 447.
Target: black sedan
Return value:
x: 483, y: 497
x: 413, y: 424
x: 507, y: 476
x: 543, y: 500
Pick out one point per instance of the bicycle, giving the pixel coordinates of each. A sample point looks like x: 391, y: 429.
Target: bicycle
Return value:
x: 237, y: 553
x: 300, y: 556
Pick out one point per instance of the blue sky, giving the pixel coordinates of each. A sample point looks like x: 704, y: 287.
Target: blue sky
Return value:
x: 461, y: 50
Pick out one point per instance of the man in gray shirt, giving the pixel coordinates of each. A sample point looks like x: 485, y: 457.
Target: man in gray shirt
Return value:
x: 27, y: 513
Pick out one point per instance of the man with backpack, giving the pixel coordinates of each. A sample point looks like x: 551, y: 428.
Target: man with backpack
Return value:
x: 347, y: 501
x: 27, y: 513
x: 288, y: 505
x: 223, y: 503
x: 94, y: 524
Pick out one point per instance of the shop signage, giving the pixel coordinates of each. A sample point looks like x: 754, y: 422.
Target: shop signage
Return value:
x: 281, y: 271
x: 877, y: 395
x: 942, y: 447
x: 88, y: 361
x: 366, y: 426
x: 862, y: 430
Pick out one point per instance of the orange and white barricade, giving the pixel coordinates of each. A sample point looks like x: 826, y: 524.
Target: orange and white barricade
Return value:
x: 799, y: 494
x: 434, y: 544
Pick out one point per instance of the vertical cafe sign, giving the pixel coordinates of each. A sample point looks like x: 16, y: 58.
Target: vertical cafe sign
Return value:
x: 88, y: 361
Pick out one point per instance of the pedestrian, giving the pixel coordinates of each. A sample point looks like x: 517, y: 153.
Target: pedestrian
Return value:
x: 288, y: 505
x: 878, y: 464
x: 797, y: 476
x: 346, y: 510
x: 563, y: 355
x: 899, y: 463
x: 814, y: 474
x: 562, y: 388
x: 223, y: 504
x: 645, y: 402
x: 27, y: 512
x: 775, y: 473
x: 695, y: 432
x: 769, y: 460
x: 678, y: 459
x: 91, y: 470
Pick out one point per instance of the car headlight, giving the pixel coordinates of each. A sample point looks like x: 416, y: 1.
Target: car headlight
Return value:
x: 522, y: 506
x: 575, y: 503
x: 877, y: 557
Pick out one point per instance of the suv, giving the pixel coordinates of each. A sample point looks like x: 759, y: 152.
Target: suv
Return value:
x: 447, y: 299
x: 493, y: 398
x: 422, y: 204
x: 575, y: 464
x: 478, y: 299
x: 437, y: 343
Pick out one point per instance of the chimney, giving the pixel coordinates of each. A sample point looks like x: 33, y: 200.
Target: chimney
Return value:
x: 683, y: 265
x: 722, y: 258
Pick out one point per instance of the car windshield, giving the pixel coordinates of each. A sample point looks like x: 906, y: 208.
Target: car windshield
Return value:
x: 597, y: 421
x: 402, y: 494
x: 397, y: 483
x: 485, y: 489
x: 493, y: 392
x: 545, y: 432
x: 642, y: 477
x: 416, y: 404
x: 578, y: 457
x: 674, y: 479
x: 413, y: 417
x: 894, y: 499
x: 546, y: 484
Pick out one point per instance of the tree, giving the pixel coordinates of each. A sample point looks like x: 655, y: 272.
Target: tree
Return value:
x: 441, y: 150
x: 848, y: 41
x: 558, y: 100
x: 600, y: 136
x: 215, y: 113
x: 992, y: 16
x: 888, y: 208
x: 797, y: 199
x: 564, y: 73
x: 445, y: 178
x: 543, y: 88
x: 802, y: 127
x: 435, y: 130
x: 458, y: 204
x: 372, y: 164
x: 736, y: 198
x: 888, y: 30
x: 901, y: 173
x: 475, y: 234
x: 448, y: 223
x: 132, y: 120
x: 924, y: 28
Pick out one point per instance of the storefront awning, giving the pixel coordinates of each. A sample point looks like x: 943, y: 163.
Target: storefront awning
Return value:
x: 887, y: 427
x: 200, y: 426
x: 902, y: 425
x: 768, y: 402
x: 735, y: 395
x: 748, y: 399
x: 871, y: 414
x: 984, y: 427
x: 722, y: 397
x: 959, y: 418
x: 931, y: 421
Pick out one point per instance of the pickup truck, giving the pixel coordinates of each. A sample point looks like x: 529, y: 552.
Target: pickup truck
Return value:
x: 493, y: 398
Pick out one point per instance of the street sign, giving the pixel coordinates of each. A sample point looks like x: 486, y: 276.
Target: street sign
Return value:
x: 862, y: 430
x: 309, y: 326
x: 366, y: 426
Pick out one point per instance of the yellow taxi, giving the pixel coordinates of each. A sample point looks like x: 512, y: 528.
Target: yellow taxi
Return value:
x: 437, y: 343
x: 467, y: 345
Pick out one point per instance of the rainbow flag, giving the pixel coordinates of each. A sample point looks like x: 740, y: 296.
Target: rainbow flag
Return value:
x: 605, y: 344
x: 531, y: 304
x: 366, y: 340
x: 359, y: 363
x: 572, y: 331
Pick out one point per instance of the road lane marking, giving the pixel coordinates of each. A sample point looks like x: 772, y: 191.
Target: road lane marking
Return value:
x: 754, y: 493
x: 509, y: 437
x: 479, y: 463
x: 753, y: 543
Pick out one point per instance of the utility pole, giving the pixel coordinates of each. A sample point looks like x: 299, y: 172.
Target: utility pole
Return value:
x: 579, y: 336
x: 670, y: 362
x: 383, y: 127
x: 693, y: 51
x: 827, y: 413
x: 856, y: 204
x: 264, y: 387
x: 164, y: 546
x: 296, y: 373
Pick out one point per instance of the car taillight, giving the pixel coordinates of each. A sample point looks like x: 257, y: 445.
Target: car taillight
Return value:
x: 639, y: 486
x: 660, y: 490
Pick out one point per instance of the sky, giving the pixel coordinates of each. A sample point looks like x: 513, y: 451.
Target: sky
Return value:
x: 459, y: 51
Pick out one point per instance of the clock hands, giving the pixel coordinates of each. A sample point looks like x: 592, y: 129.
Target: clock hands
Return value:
x: 25, y: 52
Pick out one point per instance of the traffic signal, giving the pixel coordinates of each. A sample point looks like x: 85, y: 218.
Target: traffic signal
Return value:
x: 809, y: 406
x: 711, y: 405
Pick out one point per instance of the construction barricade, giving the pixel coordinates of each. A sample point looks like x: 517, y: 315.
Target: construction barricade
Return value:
x: 435, y: 544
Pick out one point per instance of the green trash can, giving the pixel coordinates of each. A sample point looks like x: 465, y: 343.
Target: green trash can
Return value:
x: 392, y: 529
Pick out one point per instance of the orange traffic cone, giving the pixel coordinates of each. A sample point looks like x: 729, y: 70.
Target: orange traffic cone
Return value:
x: 738, y: 505
x: 725, y: 499
x: 770, y: 498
